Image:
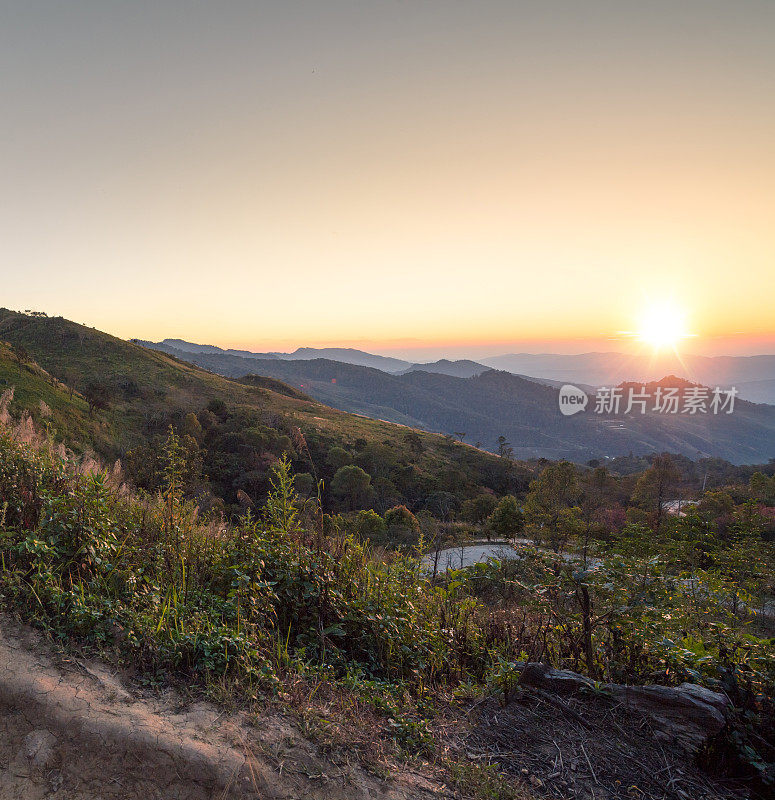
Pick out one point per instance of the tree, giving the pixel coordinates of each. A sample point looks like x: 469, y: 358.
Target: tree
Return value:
x: 414, y: 441
x: 716, y: 508
x: 507, y: 519
x: 147, y: 464
x: 351, y: 483
x: 217, y: 407
x: 98, y: 395
x: 377, y: 459
x: 596, y: 487
x: 505, y: 450
x: 370, y: 525
x: 655, y: 486
x: 386, y: 495
x: 192, y: 426
x: 338, y: 457
x: 442, y: 504
x: 478, y: 508
x: 551, y: 506
x: 305, y: 485
x: 762, y: 488
x: 402, y: 525
x: 433, y: 537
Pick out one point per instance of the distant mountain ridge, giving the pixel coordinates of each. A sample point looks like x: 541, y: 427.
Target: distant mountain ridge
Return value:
x: 347, y: 355
x: 753, y: 376
x: 463, y: 368
x: 497, y: 403
x: 54, y: 365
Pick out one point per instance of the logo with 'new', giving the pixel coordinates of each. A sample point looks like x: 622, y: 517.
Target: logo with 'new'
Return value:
x: 572, y: 400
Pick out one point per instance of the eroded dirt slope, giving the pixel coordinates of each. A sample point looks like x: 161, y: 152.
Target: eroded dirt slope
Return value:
x: 71, y: 729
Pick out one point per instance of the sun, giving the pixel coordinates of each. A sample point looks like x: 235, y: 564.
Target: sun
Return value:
x: 663, y: 325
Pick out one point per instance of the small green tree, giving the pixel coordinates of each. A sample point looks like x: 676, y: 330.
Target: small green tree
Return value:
x: 507, y: 519
x: 402, y: 525
x: 762, y: 488
x: 352, y: 484
x: 654, y: 487
x: 282, y: 512
x: 596, y: 489
x: 98, y: 395
x: 505, y: 450
x: 305, y: 484
x: 551, y: 506
x: 478, y: 508
x: 338, y: 457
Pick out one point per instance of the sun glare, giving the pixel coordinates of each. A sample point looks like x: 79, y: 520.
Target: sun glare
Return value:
x: 663, y: 325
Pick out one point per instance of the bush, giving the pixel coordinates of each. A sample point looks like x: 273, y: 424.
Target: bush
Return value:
x: 370, y: 526
x: 506, y: 520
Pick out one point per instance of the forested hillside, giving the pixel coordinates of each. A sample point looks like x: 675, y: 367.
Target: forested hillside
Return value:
x: 120, y: 399
x: 495, y: 404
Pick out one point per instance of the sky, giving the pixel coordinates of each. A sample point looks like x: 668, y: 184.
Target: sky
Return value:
x: 457, y: 177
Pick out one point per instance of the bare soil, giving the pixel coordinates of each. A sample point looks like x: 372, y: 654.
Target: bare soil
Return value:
x: 74, y: 729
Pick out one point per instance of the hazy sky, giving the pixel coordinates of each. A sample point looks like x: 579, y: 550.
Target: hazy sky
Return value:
x: 386, y: 173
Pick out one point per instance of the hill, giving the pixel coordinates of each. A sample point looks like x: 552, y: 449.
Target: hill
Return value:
x: 347, y: 355
x: 24, y: 385
x: 462, y: 368
x: 523, y: 410
x: 308, y: 635
x: 119, y: 399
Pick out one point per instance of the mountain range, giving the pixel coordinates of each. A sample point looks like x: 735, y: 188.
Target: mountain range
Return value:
x: 490, y: 409
x: 753, y: 376
x: 481, y: 405
x: 100, y: 394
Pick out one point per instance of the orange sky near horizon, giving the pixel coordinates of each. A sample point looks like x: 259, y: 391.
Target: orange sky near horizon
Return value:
x: 398, y: 176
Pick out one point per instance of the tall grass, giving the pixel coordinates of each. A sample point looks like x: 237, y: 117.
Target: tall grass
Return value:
x: 143, y: 573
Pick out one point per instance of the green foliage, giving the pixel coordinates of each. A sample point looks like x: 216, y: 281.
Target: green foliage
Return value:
x: 478, y: 508
x: 370, y: 526
x: 401, y: 516
x: 655, y: 486
x: 352, y: 484
x: 506, y: 521
x: 551, y: 506
x: 338, y: 457
x: 286, y: 592
x: 763, y: 488
x: 234, y: 430
x: 403, y: 527
x: 248, y: 601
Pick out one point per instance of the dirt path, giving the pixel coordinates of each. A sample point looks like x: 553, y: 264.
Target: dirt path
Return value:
x: 73, y: 730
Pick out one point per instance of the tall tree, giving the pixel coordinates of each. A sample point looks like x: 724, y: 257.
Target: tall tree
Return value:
x: 352, y: 484
x: 596, y: 488
x: 655, y: 487
x: 551, y: 506
x: 506, y: 520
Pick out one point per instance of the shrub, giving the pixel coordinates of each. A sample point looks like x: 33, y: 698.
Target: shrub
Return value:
x: 370, y: 525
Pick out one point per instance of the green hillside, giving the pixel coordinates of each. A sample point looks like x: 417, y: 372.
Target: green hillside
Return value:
x: 28, y: 387
x: 240, y: 426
